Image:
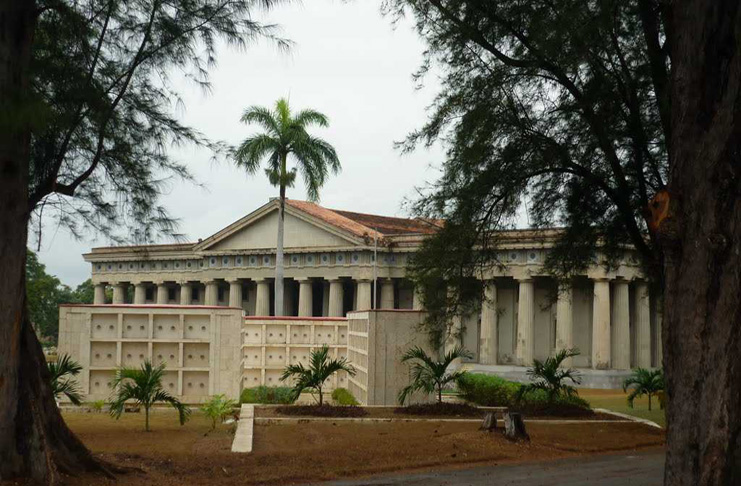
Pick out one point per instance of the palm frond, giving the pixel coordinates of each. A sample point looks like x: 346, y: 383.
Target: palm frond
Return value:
x: 309, y: 117
x: 263, y: 117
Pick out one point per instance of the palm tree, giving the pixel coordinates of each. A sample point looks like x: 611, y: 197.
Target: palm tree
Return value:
x: 144, y: 387
x: 61, y: 385
x: 644, y: 382
x: 430, y: 375
x: 320, y: 368
x: 218, y: 409
x: 285, y: 135
x: 550, y: 377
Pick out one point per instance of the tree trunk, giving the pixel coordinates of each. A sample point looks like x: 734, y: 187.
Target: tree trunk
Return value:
x: 34, y: 441
x: 146, y: 419
x: 649, y: 402
x: 702, y: 241
x: 279, y: 253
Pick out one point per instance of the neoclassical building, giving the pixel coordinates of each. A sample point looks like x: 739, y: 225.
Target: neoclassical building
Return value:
x: 337, y: 261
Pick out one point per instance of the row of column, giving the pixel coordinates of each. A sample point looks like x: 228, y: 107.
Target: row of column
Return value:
x: 610, y: 324
x: 262, y: 301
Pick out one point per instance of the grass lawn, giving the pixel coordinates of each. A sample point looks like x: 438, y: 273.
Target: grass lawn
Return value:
x: 306, y: 452
x: 616, y: 400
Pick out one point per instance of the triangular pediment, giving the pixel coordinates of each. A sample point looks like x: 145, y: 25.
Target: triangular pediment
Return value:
x: 259, y: 230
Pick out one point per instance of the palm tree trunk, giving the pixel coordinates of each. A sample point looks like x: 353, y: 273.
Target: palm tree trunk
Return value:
x: 146, y: 418
x: 649, y: 402
x: 321, y: 398
x: 278, y: 303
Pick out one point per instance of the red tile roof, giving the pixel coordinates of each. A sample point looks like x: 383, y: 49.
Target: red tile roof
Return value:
x: 366, y: 224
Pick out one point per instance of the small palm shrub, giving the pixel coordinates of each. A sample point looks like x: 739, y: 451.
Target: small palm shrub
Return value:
x: 143, y: 386
x: 644, y: 382
x: 549, y: 377
x: 97, y: 405
x: 321, y: 367
x: 430, y: 375
x: 274, y: 395
x: 342, y: 396
x: 61, y: 382
x: 218, y: 408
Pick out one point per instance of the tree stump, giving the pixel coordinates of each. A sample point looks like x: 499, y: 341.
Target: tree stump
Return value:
x: 514, y: 427
x: 489, y: 423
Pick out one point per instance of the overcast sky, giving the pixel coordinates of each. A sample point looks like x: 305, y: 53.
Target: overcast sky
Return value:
x: 348, y: 62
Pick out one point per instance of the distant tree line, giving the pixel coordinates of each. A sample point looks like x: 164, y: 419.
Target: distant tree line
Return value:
x: 45, y: 293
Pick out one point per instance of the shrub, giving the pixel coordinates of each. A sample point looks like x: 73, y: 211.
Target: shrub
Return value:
x: 274, y: 395
x: 342, y: 396
x: 321, y: 367
x: 487, y: 390
x: 218, y: 409
x: 97, y: 405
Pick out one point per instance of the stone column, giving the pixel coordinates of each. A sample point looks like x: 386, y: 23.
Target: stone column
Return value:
x: 489, y: 329
x: 305, y: 298
x: 262, y: 301
x: 601, y: 325
x: 621, y: 325
x: 335, y: 298
x: 186, y: 293
x: 416, y: 299
x: 565, y: 320
x: 387, y: 293
x: 162, y: 293
x: 525, y: 346
x: 235, y: 293
x: 212, y: 293
x: 140, y: 293
x: 119, y: 293
x: 365, y: 290
x: 643, y: 326
x: 99, y: 296
x: 325, y: 298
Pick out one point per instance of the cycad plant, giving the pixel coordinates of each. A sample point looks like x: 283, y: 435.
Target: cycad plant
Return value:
x: 644, y: 382
x: 60, y: 370
x: 143, y: 386
x: 430, y: 375
x: 285, y: 137
x: 321, y: 367
x: 549, y: 376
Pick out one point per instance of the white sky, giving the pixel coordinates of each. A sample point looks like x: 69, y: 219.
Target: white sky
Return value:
x: 348, y: 62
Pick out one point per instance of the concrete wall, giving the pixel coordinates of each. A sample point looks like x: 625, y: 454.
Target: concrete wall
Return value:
x: 378, y: 339
x: 199, y: 345
x: 270, y: 344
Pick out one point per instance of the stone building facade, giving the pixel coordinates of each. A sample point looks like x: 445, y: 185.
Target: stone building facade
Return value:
x: 340, y: 261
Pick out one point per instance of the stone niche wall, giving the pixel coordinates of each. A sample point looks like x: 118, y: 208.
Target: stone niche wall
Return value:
x: 199, y: 345
x: 269, y: 344
x: 377, y: 341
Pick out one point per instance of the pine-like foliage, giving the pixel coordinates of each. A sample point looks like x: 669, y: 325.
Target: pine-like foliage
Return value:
x: 430, y: 375
x: 644, y: 382
x: 549, y: 376
x: 557, y: 108
x: 143, y: 386
x: 102, y: 107
x: 61, y: 372
x: 321, y: 367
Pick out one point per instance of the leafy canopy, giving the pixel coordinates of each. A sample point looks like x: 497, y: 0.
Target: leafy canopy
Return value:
x: 558, y: 108
x: 285, y: 133
x: 143, y: 386
x: 549, y: 376
x: 321, y: 367
x: 61, y: 372
x: 102, y: 105
x: 430, y: 375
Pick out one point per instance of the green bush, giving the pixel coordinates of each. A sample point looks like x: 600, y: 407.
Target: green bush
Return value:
x: 275, y: 395
x: 493, y: 391
x: 487, y: 390
x: 97, y: 405
x: 342, y: 396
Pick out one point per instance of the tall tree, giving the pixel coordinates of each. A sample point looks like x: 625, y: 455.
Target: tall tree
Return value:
x: 285, y: 135
x: 618, y: 120
x: 85, y: 121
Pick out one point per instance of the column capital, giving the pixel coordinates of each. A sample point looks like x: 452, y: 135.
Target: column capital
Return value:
x: 528, y: 278
x: 234, y: 281
x: 304, y: 280
x: 363, y: 280
x: 334, y: 280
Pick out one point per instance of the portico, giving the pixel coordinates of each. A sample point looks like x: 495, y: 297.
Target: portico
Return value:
x: 339, y: 261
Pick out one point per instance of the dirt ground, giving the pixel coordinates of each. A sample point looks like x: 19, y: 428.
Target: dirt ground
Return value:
x: 297, y: 453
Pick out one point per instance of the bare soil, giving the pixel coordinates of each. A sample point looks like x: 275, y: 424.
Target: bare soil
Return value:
x: 297, y: 453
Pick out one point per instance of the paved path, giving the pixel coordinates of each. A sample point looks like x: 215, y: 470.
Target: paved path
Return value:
x: 640, y: 469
